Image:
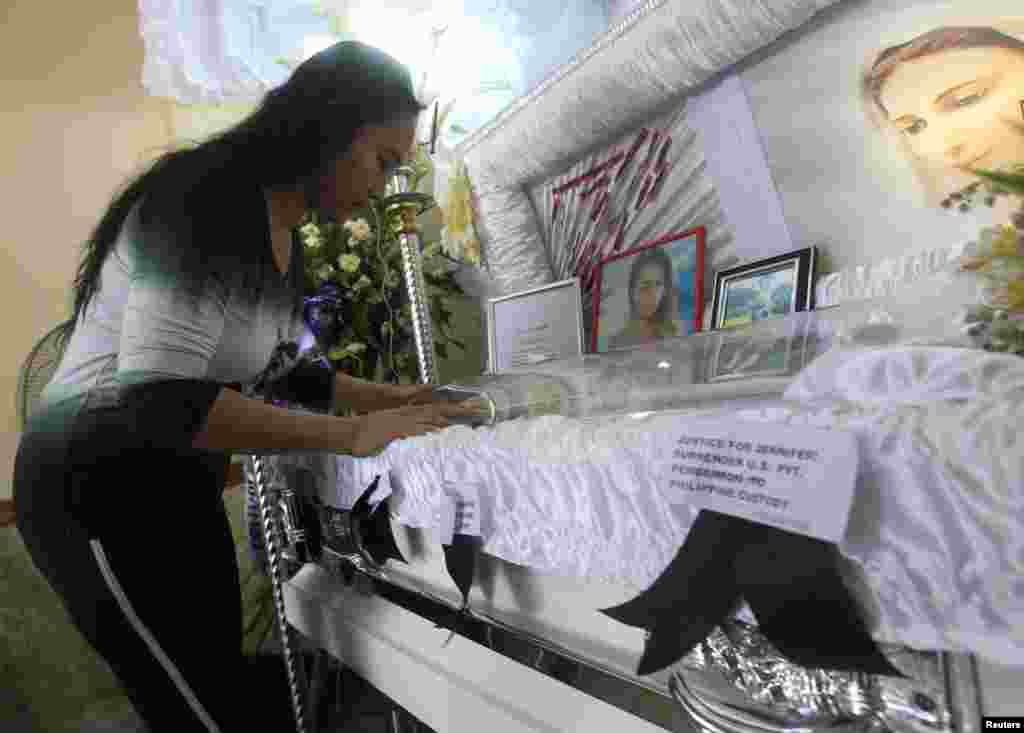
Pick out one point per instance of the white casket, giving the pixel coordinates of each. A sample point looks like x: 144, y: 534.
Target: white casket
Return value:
x: 573, y: 517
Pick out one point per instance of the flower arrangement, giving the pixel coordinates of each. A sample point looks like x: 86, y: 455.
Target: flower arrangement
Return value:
x: 991, y: 187
x: 997, y: 322
x: 355, y: 268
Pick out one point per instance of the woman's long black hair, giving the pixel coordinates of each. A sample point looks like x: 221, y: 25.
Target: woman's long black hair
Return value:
x: 299, y: 129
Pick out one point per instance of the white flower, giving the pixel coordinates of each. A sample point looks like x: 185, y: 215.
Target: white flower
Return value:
x: 349, y: 263
x: 325, y: 272
x: 360, y: 230
x: 311, y: 235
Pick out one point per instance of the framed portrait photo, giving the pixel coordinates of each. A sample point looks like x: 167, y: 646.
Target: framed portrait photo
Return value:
x: 649, y: 293
x: 769, y: 288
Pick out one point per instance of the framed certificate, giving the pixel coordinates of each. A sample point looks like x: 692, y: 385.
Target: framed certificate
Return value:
x: 535, y: 326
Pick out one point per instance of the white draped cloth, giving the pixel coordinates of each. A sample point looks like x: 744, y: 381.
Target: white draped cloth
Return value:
x: 218, y: 51
x: 935, y: 541
x: 231, y: 51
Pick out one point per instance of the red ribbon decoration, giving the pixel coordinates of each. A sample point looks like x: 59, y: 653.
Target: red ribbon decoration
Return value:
x: 592, y: 173
x: 640, y: 140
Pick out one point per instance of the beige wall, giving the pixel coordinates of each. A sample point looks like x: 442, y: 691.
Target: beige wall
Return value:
x: 75, y: 124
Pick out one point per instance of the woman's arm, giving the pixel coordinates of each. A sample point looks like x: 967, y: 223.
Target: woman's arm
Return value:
x: 167, y: 345
x: 237, y: 424
x: 363, y: 396
x: 357, y: 394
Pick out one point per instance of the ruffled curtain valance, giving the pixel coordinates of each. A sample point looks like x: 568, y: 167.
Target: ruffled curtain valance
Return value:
x: 215, y: 59
x: 476, y: 56
x: 223, y: 51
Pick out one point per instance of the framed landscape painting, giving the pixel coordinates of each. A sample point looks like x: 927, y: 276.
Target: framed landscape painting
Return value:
x: 769, y: 288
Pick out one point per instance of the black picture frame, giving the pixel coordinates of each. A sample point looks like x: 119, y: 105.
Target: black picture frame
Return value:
x: 802, y: 263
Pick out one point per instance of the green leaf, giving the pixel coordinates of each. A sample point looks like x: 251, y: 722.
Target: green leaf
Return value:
x: 361, y: 317
x: 1004, y: 182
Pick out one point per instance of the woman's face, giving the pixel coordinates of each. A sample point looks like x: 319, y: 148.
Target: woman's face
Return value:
x: 961, y: 108
x: 650, y: 288
x: 364, y: 168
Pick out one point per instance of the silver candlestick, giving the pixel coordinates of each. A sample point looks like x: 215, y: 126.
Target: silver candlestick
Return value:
x: 402, y: 206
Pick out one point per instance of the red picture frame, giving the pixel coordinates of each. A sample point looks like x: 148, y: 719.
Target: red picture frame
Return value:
x: 607, y: 267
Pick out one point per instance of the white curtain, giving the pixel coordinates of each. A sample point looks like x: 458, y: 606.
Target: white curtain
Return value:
x: 222, y: 51
x: 476, y: 56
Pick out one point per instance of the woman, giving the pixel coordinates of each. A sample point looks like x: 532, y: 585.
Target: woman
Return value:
x: 194, y: 275
x: 956, y: 98
x: 652, y: 302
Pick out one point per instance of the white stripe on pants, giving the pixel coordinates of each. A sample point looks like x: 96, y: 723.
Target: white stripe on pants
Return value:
x: 147, y: 637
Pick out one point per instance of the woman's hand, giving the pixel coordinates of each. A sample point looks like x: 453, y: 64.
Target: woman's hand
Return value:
x: 364, y: 396
x: 374, y: 431
x: 393, y: 396
x: 414, y: 394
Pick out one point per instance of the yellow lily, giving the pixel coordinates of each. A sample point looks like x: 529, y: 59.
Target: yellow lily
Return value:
x: 1005, y: 244
x: 1015, y: 295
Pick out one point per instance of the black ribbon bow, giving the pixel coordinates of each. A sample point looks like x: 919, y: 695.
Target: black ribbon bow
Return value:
x: 374, y: 537
x: 791, y: 583
x: 460, y: 558
x: 371, y: 528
